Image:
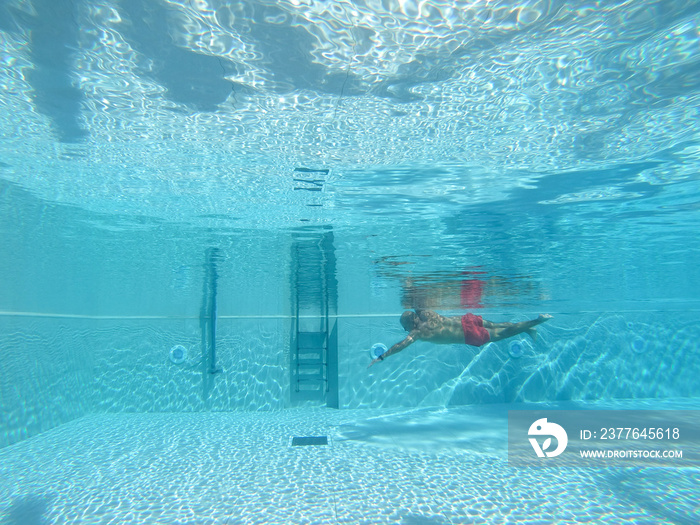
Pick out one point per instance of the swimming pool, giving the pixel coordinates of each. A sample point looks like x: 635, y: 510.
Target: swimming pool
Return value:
x: 211, y: 211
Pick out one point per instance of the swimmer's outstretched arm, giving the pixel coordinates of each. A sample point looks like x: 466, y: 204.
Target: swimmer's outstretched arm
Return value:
x: 395, y: 349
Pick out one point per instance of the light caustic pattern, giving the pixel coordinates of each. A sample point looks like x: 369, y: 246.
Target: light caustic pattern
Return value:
x: 599, y: 358
x: 205, y: 107
x: 239, y: 468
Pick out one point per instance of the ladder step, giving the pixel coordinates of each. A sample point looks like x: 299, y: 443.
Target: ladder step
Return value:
x: 310, y: 366
x: 311, y: 375
x: 308, y: 354
x: 311, y: 339
x: 317, y: 364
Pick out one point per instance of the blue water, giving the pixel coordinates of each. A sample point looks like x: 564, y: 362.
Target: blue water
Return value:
x: 505, y: 158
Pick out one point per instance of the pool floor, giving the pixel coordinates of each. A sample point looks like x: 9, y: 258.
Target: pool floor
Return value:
x: 423, y: 466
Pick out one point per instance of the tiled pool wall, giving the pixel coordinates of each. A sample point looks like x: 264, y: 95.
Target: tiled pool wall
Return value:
x: 54, y: 370
x: 46, y: 369
x: 134, y: 372
x: 575, y: 357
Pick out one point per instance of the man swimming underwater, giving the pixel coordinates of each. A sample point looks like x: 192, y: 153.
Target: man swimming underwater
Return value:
x: 426, y: 325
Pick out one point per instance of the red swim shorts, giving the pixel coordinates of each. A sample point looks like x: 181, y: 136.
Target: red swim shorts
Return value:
x: 474, y: 332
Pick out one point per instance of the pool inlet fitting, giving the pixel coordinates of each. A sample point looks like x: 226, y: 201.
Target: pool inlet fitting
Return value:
x: 178, y: 354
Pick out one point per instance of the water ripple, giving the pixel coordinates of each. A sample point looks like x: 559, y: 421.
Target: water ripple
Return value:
x: 257, y: 88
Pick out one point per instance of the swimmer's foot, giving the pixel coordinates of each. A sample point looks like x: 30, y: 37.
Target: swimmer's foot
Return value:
x: 541, y: 319
x: 532, y: 333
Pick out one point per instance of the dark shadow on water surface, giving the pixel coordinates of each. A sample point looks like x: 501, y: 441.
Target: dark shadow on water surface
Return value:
x: 28, y: 510
x: 54, y: 37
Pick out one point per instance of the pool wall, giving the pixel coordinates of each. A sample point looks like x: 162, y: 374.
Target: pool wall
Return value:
x: 55, y: 370
x: 575, y: 357
x: 46, y: 375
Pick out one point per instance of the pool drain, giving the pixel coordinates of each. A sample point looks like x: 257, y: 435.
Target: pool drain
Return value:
x: 516, y: 349
x: 305, y: 441
x: 639, y: 345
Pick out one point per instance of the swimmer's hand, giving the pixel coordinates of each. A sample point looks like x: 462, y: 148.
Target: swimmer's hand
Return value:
x: 380, y: 358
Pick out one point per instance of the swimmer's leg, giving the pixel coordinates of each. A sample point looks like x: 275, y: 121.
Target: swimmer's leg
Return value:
x: 499, y: 331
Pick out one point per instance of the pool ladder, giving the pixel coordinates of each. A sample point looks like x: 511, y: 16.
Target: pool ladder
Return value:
x: 314, y: 345
x: 311, y: 366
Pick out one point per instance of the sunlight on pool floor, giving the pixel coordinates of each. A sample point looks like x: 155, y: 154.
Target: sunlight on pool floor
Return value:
x: 380, y: 466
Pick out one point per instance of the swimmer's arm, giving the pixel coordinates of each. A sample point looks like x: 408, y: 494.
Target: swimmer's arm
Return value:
x: 410, y: 339
x: 424, y: 315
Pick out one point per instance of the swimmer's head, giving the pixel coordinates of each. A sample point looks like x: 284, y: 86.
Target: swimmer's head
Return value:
x: 408, y: 320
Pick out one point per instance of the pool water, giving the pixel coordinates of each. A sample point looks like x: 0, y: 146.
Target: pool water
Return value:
x: 212, y: 211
